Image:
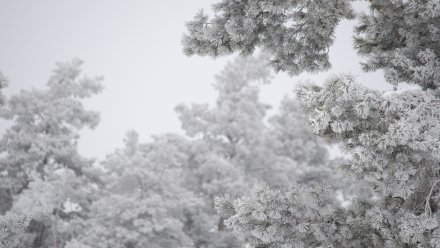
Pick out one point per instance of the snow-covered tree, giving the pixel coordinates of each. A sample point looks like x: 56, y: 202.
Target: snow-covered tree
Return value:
x: 236, y: 127
x: 230, y: 127
x: 401, y: 38
x: 393, y: 136
x: 41, y: 169
x: 12, y: 225
x: 143, y: 202
x: 292, y: 140
x: 208, y: 174
x: 235, y: 145
x: 296, y: 33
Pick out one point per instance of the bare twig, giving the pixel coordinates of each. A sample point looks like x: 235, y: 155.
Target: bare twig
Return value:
x: 428, y: 209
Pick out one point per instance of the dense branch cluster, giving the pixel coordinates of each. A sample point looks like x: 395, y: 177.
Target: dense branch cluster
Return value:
x: 393, y: 137
x: 401, y: 37
x: 157, y: 194
x: 41, y: 169
x: 162, y: 193
x: 296, y: 33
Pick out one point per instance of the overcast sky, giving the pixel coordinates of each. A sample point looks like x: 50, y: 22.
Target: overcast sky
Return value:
x: 135, y: 46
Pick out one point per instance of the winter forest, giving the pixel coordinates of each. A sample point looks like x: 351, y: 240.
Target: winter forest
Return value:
x: 334, y: 163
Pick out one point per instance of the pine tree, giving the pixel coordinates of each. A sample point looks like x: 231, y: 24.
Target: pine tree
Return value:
x: 393, y: 136
x: 296, y: 33
x: 42, y: 171
x: 236, y: 129
x: 12, y: 225
x: 161, y: 193
x: 236, y: 144
x: 143, y: 202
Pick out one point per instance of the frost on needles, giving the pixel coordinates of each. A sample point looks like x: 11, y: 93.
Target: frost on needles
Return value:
x: 393, y: 136
x: 296, y: 34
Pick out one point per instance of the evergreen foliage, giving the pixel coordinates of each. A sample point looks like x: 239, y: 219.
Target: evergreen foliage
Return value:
x: 154, y: 194
x: 393, y: 136
x: 295, y: 33
x: 238, y: 145
x: 401, y: 38
x: 161, y: 193
x: 12, y: 225
x: 41, y: 171
x: 144, y: 202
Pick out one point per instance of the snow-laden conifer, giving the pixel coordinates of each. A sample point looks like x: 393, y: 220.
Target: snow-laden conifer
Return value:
x: 296, y: 33
x: 41, y: 169
x: 12, y: 226
x: 393, y: 136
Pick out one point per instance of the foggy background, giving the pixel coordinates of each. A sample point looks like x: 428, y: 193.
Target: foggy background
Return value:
x: 135, y: 46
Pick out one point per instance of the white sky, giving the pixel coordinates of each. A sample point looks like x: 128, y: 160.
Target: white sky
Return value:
x: 135, y: 46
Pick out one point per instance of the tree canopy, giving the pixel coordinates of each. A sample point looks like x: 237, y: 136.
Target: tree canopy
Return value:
x: 41, y: 169
x: 160, y: 193
x: 393, y: 136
